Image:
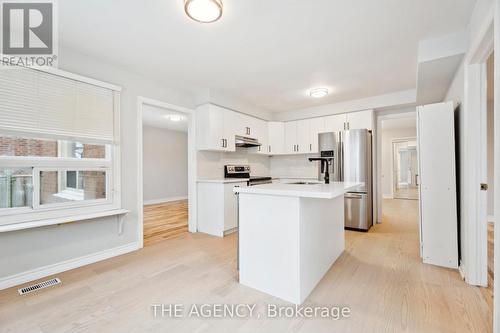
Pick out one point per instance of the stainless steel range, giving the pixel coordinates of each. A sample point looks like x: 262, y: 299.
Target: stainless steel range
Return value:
x: 243, y: 171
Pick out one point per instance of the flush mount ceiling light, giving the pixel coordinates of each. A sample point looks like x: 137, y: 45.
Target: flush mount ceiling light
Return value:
x: 318, y: 92
x: 204, y: 11
x: 174, y: 117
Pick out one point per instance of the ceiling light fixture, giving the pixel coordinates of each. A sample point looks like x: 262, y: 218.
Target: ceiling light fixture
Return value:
x: 204, y: 11
x: 174, y: 117
x: 318, y: 92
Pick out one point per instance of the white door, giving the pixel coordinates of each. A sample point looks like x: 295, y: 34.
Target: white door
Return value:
x: 291, y: 137
x: 438, y: 206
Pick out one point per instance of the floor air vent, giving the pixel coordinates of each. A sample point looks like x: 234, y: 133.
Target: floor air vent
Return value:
x: 39, y: 286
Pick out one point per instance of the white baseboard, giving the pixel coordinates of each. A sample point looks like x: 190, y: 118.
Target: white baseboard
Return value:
x: 490, y: 218
x: 163, y: 200
x: 38, y: 273
x: 387, y: 196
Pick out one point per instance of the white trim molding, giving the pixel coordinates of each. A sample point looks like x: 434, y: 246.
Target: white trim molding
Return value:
x: 45, y: 271
x: 164, y: 200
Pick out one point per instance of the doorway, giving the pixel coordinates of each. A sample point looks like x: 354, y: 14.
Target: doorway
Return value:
x: 166, y: 171
x: 397, y: 171
x: 405, y: 169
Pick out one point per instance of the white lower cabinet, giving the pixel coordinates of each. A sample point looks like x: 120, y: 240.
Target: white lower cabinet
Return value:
x: 217, y: 207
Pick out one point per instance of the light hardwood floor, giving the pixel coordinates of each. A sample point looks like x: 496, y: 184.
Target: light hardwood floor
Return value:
x: 488, y: 292
x: 164, y: 221
x: 380, y: 276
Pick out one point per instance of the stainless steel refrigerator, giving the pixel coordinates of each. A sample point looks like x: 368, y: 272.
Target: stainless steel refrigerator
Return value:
x: 352, y: 162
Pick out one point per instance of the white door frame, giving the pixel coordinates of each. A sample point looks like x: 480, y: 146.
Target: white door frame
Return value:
x: 475, y: 236
x: 381, y: 116
x: 496, y: 287
x: 192, y: 162
x: 393, y: 157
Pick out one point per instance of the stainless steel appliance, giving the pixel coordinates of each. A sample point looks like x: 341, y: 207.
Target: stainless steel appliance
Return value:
x: 352, y: 162
x: 246, y: 142
x: 243, y: 172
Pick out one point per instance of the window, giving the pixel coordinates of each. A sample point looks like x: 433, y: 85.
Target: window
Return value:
x: 58, y: 154
x: 50, y: 174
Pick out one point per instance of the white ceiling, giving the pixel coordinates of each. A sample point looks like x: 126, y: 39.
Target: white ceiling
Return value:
x: 155, y: 117
x: 266, y: 52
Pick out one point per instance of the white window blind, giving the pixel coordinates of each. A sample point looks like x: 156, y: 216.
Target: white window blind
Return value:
x: 36, y: 102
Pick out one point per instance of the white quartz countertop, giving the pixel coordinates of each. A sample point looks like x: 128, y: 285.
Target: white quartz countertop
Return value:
x: 223, y: 180
x: 320, y: 191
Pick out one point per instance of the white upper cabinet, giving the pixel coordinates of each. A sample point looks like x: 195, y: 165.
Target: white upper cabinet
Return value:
x: 245, y: 125
x: 276, y: 138
x: 260, y: 131
x: 335, y: 123
x: 360, y: 120
x: 303, y: 136
x: 214, y: 128
x: 347, y: 121
x: 217, y: 128
x: 316, y: 126
x: 290, y: 137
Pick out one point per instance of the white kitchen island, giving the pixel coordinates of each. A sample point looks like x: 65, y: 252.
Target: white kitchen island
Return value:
x: 289, y: 236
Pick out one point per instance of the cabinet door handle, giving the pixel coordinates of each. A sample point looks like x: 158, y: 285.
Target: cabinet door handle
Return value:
x: 298, y: 148
x: 222, y: 143
x: 310, y: 147
x: 348, y: 125
x: 225, y: 143
x: 269, y: 148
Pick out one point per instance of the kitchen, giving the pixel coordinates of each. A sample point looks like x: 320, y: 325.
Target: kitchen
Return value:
x: 338, y: 153
x: 287, y: 157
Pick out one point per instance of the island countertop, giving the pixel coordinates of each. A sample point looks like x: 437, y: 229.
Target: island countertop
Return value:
x: 320, y: 191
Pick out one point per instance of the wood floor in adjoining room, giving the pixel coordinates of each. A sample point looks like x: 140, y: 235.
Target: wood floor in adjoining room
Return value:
x: 164, y: 221
x: 379, y: 276
x: 488, y: 292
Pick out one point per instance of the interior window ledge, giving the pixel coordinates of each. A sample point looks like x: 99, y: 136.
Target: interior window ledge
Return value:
x: 61, y: 220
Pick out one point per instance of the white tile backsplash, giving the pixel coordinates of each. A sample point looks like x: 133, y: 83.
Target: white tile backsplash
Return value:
x: 293, y: 166
x: 211, y: 164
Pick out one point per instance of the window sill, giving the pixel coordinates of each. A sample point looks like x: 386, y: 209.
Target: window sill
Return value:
x: 61, y: 220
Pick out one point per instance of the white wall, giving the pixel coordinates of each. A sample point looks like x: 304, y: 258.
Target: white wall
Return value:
x: 165, y: 164
x: 387, y: 172
x: 456, y: 92
x: 35, y: 248
x: 211, y: 164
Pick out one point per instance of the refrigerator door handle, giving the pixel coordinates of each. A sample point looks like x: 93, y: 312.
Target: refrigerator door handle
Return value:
x: 341, y: 158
